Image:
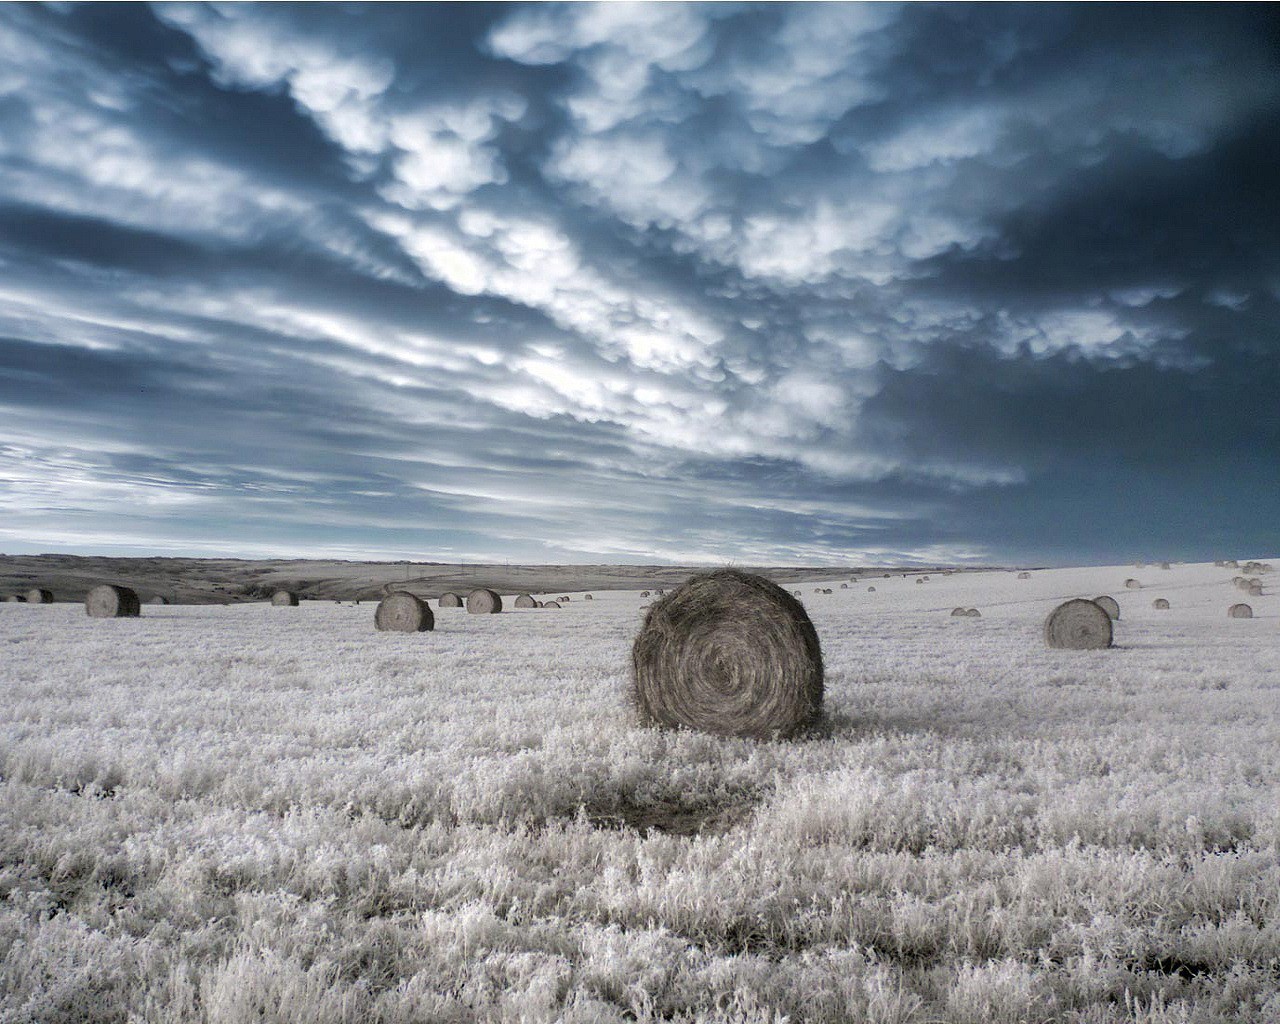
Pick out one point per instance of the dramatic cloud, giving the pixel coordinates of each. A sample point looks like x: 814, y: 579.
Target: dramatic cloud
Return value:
x: 792, y: 283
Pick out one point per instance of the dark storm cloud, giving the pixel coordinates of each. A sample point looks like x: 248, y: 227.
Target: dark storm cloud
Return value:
x: 790, y: 282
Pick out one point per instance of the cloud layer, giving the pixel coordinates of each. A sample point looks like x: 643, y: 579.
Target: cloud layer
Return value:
x: 788, y: 283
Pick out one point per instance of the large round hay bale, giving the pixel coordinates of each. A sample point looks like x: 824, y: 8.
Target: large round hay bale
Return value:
x: 450, y: 600
x: 1160, y: 604
x: 974, y: 613
x: 644, y: 593
x: 1132, y: 584
x: 539, y: 604
x: 728, y: 653
x: 551, y: 604
x: 402, y: 612
x: 920, y: 579
x: 15, y: 599
x: 284, y: 599
x: 871, y: 590
x: 827, y: 590
x: 1024, y: 575
x: 1108, y: 604
x: 526, y: 601
x: 1254, y: 589
x: 957, y: 612
x: 112, y: 602
x: 587, y: 597
x: 844, y: 586
x: 482, y: 601
x: 1078, y: 625
x: 39, y: 595
x: 1240, y: 611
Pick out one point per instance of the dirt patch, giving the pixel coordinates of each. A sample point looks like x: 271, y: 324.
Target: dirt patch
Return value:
x: 674, y: 819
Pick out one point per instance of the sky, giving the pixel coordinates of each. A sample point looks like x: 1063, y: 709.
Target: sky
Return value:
x: 765, y: 284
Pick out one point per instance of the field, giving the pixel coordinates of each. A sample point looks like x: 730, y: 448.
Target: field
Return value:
x: 245, y: 813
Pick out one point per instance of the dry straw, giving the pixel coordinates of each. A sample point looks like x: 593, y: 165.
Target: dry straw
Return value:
x: 402, y: 612
x: 39, y: 595
x: 1160, y: 604
x: 450, y: 600
x: 1240, y: 611
x: 526, y: 601
x: 1078, y: 625
x: 284, y: 599
x: 728, y: 653
x: 112, y: 602
x: 1108, y: 604
x: 483, y: 602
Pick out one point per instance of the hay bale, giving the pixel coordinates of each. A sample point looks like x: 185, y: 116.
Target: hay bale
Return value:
x: 15, y: 599
x: 827, y: 591
x: 1164, y: 565
x: 539, y: 604
x: 1108, y: 604
x: 1160, y: 604
x: 1024, y: 575
x: 844, y: 586
x: 886, y: 575
x: 1078, y: 625
x: 1132, y: 584
x: 728, y: 653
x: 924, y: 579
x: 552, y: 604
x: 402, y: 612
x: 974, y: 613
x: 957, y: 612
x: 526, y: 601
x: 39, y: 595
x: 1231, y: 563
x: 112, y: 602
x: 159, y: 599
x: 871, y: 590
x: 284, y: 599
x: 1254, y: 589
x: 919, y: 579
x: 587, y: 597
x: 483, y: 601
x: 795, y: 593
x: 1240, y: 611
x: 450, y: 600
x: 644, y: 593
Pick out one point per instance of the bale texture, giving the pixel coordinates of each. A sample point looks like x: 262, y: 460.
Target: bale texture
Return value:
x: 871, y: 590
x: 973, y: 613
x: 540, y: 604
x: 1132, y: 585
x: 588, y: 597
x: 402, y: 612
x: 1240, y: 611
x: 844, y: 586
x: 158, y: 599
x: 728, y: 653
x: 1108, y: 605
x: 919, y: 579
x: 1254, y: 589
x: 1078, y: 625
x: 284, y: 599
x: 827, y: 591
x: 39, y: 595
x: 1160, y: 604
x: 450, y: 600
x: 552, y: 604
x: 955, y: 612
x: 15, y: 599
x: 111, y: 602
x: 1024, y: 575
x: 526, y: 601
x: 483, y: 602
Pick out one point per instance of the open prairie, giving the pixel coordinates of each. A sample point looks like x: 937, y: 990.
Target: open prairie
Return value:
x: 248, y: 813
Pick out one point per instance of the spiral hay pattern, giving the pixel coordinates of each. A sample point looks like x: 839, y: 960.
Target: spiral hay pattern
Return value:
x: 39, y: 595
x: 1078, y: 625
x: 728, y: 653
x: 1160, y: 604
x: 284, y: 599
x: 483, y: 602
x: 526, y: 601
x: 1240, y: 611
x: 402, y: 612
x: 111, y: 602
x: 1108, y: 604
x: 450, y: 600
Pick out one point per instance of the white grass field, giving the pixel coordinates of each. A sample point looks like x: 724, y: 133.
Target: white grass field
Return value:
x: 247, y: 813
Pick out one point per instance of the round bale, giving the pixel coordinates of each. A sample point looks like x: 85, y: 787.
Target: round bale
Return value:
x: 551, y: 604
x: 1132, y: 584
x: 1160, y: 604
x: 526, y: 601
x: 588, y: 597
x: 402, y: 612
x: 844, y: 586
x: 957, y: 612
x: 39, y: 595
x: 1024, y: 575
x: 1078, y: 625
x: 644, y: 593
x: 15, y: 599
x: 112, y: 602
x: 973, y: 613
x: 450, y: 600
x: 482, y: 601
x: 284, y: 599
x: 1240, y: 611
x: 871, y: 590
x: 1254, y: 589
x: 539, y: 604
x: 728, y: 653
x: 158, y: 599
x: 1108, y: 605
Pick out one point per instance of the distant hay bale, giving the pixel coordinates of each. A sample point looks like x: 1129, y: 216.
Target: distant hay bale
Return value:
x: 112, y: 602
x: 844, y: 586
x: 15, y: 599
x: 587, y: 597
x: 817, y: 590
x: 795, y: 593
x: 974, y: 613
x: 1078, y: 625
x: 1254, y: 589
x: 957, y: 612
x: 1160, y: 604
x: 644, y: 593
x: 158, y: 599
x: 402, y: 612
x: 728, y: 653
x: 526, y: 601
x: 39, y: 595
x: 919, y: 579
x: 887, y: 575
x: 871, y: 590
x: 1231, y: 563
x: 1164, y: 565
x: 1108, y: 604
x: 924, y: 579
x: 284, y: 599
x: 1024, y: 575
x: 1132, y: 584
x: 551, y: 604
x: 539, y: 604
x: 1240, y: 611
x: 482, y: 601
x: 660, y: 592
x: 450, y: 600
